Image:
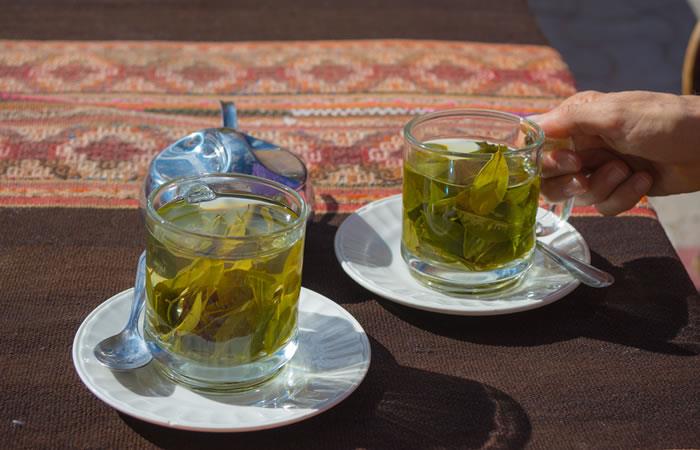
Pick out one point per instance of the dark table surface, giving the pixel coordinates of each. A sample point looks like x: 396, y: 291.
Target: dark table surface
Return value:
x: 613, y: 368
x: 240, y: 20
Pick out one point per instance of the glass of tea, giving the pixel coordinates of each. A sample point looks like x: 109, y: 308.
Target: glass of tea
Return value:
x: 471, y: 191
x: 223, y: 275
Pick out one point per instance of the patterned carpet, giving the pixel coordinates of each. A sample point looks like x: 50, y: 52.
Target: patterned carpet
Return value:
x: 80, y: 121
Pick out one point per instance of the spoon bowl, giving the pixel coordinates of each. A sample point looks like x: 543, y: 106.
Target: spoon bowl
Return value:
x: 127, y: 349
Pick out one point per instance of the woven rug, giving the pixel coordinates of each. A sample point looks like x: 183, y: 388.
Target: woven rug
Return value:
x: 80, y: 121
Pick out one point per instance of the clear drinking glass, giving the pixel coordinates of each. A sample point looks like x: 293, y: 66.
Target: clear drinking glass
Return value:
x: 223, y: 275
x: 470, y: 199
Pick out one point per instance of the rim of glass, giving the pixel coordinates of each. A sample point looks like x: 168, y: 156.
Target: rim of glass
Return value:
x: 153, y: 213
x: 474, y: 112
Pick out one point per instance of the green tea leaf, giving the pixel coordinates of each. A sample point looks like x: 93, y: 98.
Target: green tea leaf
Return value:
x: 490, y: 185
x: 472, y: 247
x: 214, y: 226
x: 526, y: 243
x: 237, y: 220
x: 485, y: 228
x: 234, y: 323
x: 202, y: 272
x: 518, y: 195
x: 267, y: 216
x: 412, y: 190
x: 487, y: 147
x: 438, y: 191
x: 410, y: 237
x: 257, y: 339
x: 191, y: 317
x: 270, y: 337
x: 181, y: 212
x: 496, y: 254
x: 462, y: 200
x: 428, y: 164
x: 443, y: 233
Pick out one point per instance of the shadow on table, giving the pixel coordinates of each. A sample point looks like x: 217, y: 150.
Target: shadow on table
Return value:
x: 395, y: 407
x: 322, y: 271
x: 646, y: 308
x: 643, y: 309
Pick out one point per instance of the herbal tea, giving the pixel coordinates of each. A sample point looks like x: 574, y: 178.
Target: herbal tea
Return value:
x: 470, y: 213
x: 218, y: 309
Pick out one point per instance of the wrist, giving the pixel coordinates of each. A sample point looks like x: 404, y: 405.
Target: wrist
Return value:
x: 686, y: 142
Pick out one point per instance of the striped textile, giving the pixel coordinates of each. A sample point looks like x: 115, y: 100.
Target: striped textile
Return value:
x: 79, y: 121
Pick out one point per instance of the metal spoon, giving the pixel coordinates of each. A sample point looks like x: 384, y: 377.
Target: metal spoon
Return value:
x: 584, y: 272
x: 127, y: 350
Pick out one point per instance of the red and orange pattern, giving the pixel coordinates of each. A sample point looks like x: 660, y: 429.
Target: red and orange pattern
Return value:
x: 80, y: 121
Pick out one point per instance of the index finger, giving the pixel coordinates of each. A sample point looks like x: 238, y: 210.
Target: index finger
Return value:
x: 586, y: 113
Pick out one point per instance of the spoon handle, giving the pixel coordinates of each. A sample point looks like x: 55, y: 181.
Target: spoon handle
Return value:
x: 585, y: 273
x: 139, y: 289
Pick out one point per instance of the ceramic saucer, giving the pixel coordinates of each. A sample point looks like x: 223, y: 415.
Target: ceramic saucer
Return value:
x: 368, y: 247
x: 331, y: 361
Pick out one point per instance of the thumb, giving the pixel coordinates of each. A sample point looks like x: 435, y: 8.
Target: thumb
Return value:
x: 581, y: 115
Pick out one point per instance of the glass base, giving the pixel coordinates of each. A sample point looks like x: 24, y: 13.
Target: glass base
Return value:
x: 460, y: 282
x: 216, y: 379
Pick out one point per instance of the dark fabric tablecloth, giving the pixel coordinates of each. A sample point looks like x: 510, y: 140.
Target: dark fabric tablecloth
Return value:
x: 612, y: 368
x: 244, y: 20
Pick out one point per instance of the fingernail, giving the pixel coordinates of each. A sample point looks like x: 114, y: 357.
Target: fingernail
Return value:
x: 618, y: 174
x: 641, y: 183
x: 535, y: 117
x: 573, y: 188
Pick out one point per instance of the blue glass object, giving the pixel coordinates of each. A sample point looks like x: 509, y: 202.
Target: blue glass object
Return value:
x: 227, y: 150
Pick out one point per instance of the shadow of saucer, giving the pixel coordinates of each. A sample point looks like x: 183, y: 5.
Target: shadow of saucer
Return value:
x: 361, y: 244
x: 641, y: 310
x: 322, y: 272
x: 395, y: 407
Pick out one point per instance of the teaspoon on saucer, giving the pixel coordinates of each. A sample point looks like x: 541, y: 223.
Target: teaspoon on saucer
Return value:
x: 584, y: 272
x: 127, y: 350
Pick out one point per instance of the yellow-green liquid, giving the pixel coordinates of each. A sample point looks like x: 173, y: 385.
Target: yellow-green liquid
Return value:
x: 216, y: 308
x: 444, y: 222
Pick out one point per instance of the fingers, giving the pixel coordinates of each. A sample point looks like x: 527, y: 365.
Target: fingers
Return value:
x: 567, y: 162
x: 596, y: 174
x: 560, y: 162
x: 603, y: 182
x: 588, y: 142
x: 612, y: 188
x: 563, y: 187
x: 583, y: 97
x: 626, y: 195
x: 592, y: 159
x: 586, y: 113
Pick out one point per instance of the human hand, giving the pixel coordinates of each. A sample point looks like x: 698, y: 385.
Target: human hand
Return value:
x: 625, y: 145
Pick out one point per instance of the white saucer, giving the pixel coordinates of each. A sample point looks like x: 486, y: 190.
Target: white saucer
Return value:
x: 368, y: 247
x: 332, y: 359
